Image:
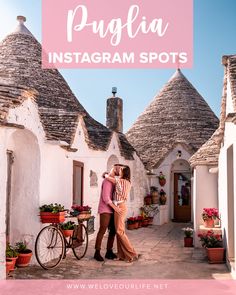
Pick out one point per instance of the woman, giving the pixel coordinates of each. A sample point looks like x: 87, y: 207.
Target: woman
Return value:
x: 125, y: 250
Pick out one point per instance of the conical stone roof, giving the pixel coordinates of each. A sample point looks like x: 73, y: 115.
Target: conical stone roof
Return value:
x: 59, y: 109
x: 178, y: 114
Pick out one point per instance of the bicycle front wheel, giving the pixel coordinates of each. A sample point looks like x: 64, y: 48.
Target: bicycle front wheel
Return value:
x: 80, y: 241
x: 49, y: 247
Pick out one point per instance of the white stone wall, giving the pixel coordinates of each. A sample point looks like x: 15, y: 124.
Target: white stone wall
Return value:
x: 3, y: 180
x: 167, y: 167
x: 229, y: 140
x: 205, y: 195
x: 43, y: 173
x: 229, y: 100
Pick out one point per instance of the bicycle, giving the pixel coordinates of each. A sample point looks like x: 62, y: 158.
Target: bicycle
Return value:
x: 51, y: 245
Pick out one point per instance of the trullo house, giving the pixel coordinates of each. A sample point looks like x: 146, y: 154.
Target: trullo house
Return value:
x: 171, y: 129
x: 51, y: 149
x: 214, y: 166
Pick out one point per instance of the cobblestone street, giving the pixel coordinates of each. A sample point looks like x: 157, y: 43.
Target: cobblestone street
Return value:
x: 162, y: 257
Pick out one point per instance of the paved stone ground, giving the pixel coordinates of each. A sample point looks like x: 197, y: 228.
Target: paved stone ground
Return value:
x: 162, y: 257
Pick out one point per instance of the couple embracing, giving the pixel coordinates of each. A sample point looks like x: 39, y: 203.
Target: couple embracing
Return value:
x: 113, y: 209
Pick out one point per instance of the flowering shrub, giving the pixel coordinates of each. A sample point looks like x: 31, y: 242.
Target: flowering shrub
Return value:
x: 210, y: 239
x: 81, y: 208
x: 149, y: 210
x: 140, y: 218
x: 53, y: 208
x: 132, y: 220
x: 77, y: 209
x: 188, y: 231
x: 69, y: 225
x: 209, y: 213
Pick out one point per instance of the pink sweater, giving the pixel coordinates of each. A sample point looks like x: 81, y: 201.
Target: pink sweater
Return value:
x: 106, y: 197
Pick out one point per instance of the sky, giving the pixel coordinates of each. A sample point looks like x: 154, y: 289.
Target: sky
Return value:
x: 214, y: 36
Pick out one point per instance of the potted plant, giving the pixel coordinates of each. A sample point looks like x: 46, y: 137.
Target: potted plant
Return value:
x: 9, y: 266
x: 213, y: 244
x: 162, y: 198
x: 162, y: 179
x: 209, y: 215
x: 52, y: 213
x: 148, y: 213
x: 148, y: 200
x: 24, y: 254
x: 154, y: 194
x: 145, y: 220
x: 81, y: 212
x: 132, y: 223
x: 67, y: 228
x: 11, y: 255
x: 140, y: 220
x: 188, y: 239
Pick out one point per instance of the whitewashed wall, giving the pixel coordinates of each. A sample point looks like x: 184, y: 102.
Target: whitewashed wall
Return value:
x: 205, y: 195
x: 167, y: 167
x: 229, y: 140
x: 3, y: 180
x: 43, y: 171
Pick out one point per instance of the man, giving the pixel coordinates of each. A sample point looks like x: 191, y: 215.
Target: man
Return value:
x: 105, y: 209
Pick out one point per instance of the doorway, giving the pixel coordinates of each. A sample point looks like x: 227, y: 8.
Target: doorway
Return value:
x: 78, y: 180
x: 22, y: 187
x: 182, y: 196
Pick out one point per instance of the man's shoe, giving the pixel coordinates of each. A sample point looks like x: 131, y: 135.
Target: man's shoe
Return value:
x: 110, y: 255
x: 98, y: 256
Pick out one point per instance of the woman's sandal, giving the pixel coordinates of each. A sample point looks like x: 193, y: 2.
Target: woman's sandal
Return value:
x: 133, y: 259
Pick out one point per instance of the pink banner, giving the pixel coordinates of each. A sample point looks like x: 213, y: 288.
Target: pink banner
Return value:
x: 117, y: 34
x: 118, y: 287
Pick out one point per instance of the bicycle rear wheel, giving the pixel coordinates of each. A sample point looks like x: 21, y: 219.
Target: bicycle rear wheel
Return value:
x: 49, y: 247
x: 80, y: 241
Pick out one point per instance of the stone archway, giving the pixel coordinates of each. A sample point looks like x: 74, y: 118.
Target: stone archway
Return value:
x: 23, y: 186
x: 111, y: 161
x: 181, y: 191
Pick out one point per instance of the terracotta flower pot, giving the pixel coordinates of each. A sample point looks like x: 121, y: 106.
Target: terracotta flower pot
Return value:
x: 9, y: 265
x: 215, y: 255
x: 23, y: 259
x: 131, y: 226
x: 163, y: 199
x: 84, y: 215
x: 67, y: 232
x: 13, y: 259
x: 145, y: 222
x: 162, y: 181
x: 140, y: 223
x: 209, y: 222
x: 154, y: 197
x: 48, y: 217
x: 188, y: 241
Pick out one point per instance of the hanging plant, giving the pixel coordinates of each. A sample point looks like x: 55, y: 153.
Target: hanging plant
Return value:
x: 162, y: 198
x: 162, y: 179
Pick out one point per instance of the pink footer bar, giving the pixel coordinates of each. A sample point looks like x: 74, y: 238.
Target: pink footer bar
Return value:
x: 131, y: 287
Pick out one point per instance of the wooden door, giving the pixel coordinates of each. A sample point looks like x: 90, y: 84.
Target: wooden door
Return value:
x: 78, y: 185
x: 182, y: 196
